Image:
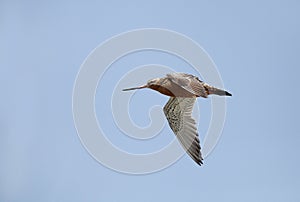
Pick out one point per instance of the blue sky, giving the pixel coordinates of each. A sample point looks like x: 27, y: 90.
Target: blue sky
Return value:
x: 255, y: 45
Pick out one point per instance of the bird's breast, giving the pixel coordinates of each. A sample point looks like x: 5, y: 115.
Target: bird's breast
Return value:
x: 172, y: 90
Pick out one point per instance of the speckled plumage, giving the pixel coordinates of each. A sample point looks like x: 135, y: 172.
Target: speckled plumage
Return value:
x: 178, y: 112
x: 183, y: 90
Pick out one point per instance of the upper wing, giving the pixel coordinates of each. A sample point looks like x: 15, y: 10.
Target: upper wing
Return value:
x: 188, y: 82
x: 179, y: 115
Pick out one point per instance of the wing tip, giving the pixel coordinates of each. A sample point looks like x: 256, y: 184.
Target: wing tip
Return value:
x: 199, y: 162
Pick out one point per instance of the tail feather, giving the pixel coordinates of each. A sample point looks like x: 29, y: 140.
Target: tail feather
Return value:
x: 216, y: 91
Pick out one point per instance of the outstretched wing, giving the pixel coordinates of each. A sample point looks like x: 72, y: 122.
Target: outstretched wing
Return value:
x: 178, y: 112
x: 188, y: 82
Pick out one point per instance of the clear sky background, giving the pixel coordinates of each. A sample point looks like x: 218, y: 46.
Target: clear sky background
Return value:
x: 255, y: 45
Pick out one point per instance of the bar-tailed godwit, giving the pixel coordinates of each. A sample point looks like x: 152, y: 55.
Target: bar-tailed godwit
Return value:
x: 183, y: 90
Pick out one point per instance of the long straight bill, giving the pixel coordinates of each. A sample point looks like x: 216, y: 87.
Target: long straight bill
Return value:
x: 135, y: 88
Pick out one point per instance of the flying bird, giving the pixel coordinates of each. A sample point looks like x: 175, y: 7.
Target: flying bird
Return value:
x: 183, y: 90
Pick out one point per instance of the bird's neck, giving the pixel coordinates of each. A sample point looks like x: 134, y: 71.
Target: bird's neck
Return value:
x: 161, y: 89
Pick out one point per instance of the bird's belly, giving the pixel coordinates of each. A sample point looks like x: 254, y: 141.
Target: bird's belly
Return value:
x: 174, y: 91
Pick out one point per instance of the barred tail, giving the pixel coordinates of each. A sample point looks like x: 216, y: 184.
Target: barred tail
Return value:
x: 216, y: 91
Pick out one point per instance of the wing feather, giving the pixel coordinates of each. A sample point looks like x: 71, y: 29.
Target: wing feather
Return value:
x: 188, y: 82
x: 178, y: 112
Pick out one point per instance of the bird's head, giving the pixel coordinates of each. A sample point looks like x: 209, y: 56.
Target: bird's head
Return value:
x: 152, y: 82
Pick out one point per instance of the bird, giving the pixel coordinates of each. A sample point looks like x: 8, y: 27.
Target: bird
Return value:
x: 183, y: 89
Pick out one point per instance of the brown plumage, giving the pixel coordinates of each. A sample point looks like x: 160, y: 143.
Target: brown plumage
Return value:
x: 183, y: 90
